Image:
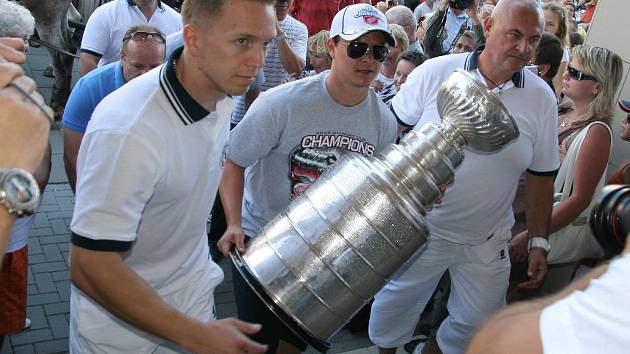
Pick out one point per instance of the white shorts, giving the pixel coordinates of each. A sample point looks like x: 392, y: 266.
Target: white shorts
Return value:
x: 479, y: 280
x: 95, y: 330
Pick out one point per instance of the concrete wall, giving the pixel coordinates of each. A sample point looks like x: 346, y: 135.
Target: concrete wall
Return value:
x: 609, y: 29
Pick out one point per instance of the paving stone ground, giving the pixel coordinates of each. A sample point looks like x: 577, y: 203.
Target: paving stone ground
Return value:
x: 48, y: 280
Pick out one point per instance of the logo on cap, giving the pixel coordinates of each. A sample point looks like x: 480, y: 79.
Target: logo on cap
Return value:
x: 370, y: 16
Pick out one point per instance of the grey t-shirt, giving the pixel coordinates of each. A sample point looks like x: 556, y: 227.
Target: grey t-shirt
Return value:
x: 293, y: 133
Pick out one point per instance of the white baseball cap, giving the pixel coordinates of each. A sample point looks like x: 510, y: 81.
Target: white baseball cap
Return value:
x: 356, y: 20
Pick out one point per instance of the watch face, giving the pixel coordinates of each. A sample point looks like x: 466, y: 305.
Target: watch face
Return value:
x: 19, y: 189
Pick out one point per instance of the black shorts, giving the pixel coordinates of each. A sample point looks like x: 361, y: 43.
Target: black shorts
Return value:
x: 251, y: 309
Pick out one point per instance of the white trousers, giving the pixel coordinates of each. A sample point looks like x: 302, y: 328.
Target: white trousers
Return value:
x: 479, y: 280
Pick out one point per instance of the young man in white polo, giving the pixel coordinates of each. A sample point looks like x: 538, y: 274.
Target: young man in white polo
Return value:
x: 301, y: 129
x: 148, y: 169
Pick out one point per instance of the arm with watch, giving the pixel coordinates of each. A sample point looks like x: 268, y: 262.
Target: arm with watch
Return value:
x: 539, y: 202
x: 24, y: 127
x: 290, y: 60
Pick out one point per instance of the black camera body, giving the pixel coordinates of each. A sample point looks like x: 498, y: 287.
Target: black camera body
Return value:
x: 461, y: 4
x: 610, y: 218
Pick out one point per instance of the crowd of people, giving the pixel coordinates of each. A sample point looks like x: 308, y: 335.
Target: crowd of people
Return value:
x: 234, y: 108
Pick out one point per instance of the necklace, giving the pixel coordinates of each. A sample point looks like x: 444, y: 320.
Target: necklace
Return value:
x: 571, y: 121
x: 500, y: 87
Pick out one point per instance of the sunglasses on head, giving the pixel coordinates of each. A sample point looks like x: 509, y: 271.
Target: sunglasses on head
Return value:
x: 143, y: 36
x: 358, y: 49
x: 578, y: 75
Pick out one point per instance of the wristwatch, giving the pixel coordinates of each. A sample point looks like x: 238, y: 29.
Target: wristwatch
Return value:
x: 540, y: 242
x: 282, y: 35
x: 19, y: 191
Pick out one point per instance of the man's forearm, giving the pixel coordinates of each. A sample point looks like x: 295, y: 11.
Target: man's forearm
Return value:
x: 87, y: 63
x: 290, y: 61
x: 231, y: 192
x: 71, y: 144
x: 539, y: 202
x: 105, y: 278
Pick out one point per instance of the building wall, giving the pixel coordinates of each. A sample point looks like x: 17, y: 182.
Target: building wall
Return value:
x: 609, y: 29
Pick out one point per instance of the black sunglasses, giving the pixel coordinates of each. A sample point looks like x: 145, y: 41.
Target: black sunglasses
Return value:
x: 143, y: 36
x: 358, y: 49
x: 578, y: 75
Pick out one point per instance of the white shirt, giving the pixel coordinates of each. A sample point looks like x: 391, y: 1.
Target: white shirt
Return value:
x: 480, y: 200
x: 297, y: 35
x: 596, y: 320
x: 174, y: 41
x: 423, y: 10
x: 19, y: 233
x: 106, y: 27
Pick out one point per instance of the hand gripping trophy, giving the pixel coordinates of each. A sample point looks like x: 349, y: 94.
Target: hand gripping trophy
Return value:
x: 320, y: 260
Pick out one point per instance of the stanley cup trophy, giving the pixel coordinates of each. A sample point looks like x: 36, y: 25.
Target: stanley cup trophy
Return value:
x: 324, y: 257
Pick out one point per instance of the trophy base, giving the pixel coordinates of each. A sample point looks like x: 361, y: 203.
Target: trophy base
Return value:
x: 317, y: 344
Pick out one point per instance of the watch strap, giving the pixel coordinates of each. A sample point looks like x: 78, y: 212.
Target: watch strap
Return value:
x: 282, y: 35
x: 539, y: 242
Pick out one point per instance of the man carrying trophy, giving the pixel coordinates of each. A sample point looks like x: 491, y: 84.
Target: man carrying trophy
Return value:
x: 301, y: 129
x: 470, y: 230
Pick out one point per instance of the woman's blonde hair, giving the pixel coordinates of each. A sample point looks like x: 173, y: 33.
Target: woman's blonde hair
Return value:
x: 399, y: 34
x: 317, y: 44
x: 563, y: 26
x: 607, y: 68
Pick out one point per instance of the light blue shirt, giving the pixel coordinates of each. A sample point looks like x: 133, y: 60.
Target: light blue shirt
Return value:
x: 88, y: 92
x: 453, y: 24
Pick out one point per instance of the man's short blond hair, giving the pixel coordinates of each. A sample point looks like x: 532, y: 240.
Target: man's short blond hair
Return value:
x: 197, y: 12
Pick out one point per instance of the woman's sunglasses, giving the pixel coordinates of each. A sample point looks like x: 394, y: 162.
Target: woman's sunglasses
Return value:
x: 578, y: 75
x: 358, y: 49
x: 142, y: 36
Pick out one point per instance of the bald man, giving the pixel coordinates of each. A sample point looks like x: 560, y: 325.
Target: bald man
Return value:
x: 470, y: 230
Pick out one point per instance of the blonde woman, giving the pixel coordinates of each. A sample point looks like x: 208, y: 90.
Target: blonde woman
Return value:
x: 318, y: 56
x: 556, y: 22
x: 591, y: 81
x: 318, y: 51
x: 384, y: 82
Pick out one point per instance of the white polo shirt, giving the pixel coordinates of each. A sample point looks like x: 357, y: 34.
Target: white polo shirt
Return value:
x: 148, y: 171
x: 596, y: 320
x: 106, y: 27
x: 480, y: 200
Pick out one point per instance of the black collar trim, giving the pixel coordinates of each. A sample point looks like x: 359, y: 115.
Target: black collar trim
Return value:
x: 188, y: 110
x: 472, y: 62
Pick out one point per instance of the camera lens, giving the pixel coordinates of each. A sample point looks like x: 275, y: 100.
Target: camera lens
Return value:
x: 610, y: 218
x: 460, y: 4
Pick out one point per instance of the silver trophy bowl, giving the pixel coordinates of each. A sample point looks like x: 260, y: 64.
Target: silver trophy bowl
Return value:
x: 323, y: 258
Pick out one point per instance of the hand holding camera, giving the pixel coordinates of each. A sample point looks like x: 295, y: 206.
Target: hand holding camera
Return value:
x: 459, y: 5
x: 464, y: 5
